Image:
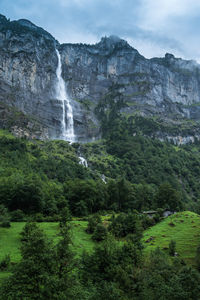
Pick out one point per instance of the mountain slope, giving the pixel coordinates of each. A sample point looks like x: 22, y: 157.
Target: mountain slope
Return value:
x: 183, y: 228
x: 166, y: 88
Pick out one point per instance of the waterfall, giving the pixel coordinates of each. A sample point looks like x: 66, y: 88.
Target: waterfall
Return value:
x: 83, y: 161
x: 67, y: 128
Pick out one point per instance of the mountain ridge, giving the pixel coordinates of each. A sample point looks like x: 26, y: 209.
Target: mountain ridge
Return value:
x: 165, y: 88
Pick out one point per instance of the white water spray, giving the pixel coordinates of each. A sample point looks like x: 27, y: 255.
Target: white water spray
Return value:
x: 83, y: 161
x: 67, y: 128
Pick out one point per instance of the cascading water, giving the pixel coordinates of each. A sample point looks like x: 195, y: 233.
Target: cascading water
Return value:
x: 67, y: 128
x: 83, y: 161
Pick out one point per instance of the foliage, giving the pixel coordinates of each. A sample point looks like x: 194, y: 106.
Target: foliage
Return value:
x: 100, y: 233
x: 162, y: 280
x: 172, y: 248
x: 119, y: 268
x: 142, y: 173
x: 167, y: 197
x: 17, y: 215
x: 85, y: 196
x: 125, y: 224
x: 93, y: 221
x: 197, y: 257
x: 4, y: 263
x: 44, y: 271
x: 4, y: 217
x: 110, y: 265
x: 185, y: 233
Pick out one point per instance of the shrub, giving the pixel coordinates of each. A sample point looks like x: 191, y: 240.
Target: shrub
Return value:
x: 92, y: 223
x: 172, y: 248
x: 100, y: 233
x: 5, y: 224
x: 4, y: 263
x: 17, y: 215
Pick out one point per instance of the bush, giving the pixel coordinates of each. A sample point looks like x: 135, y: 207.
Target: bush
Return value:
x: 197, y: 258
x: 5, y: 224
x: 92, y: 223
x: 4, y: 263
x: 124, y: 224
x: 100, y: 233
x: 38, y: 217
x: 172, y: 248
x: 17, y: 216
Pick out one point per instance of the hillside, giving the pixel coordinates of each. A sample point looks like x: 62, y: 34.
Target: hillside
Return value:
x: 166, y: 89
x: 183, y: 228
x: 10, y: 238
x: 44, y: 177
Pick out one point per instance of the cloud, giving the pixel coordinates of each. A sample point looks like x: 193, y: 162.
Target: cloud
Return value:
x: 155, y: 15
x: 154, y: 27
x: 176, y: 20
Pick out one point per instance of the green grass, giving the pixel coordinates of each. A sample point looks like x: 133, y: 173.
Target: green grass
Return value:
x: 4, y: 275
x: 81, y: 240
x: 10, y: 238
x: 6, y: 133
x: 183, y: 227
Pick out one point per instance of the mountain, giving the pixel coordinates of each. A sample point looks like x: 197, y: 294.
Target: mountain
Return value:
x: 164, y: 90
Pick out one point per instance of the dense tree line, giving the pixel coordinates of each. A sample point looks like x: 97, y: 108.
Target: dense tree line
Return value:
x: 142, y: 174
x: 45, y: 177
x: 112, y: 271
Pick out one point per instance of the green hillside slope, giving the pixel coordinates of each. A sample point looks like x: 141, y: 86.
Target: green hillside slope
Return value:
x: 10, y: 238
x: 183, y: 228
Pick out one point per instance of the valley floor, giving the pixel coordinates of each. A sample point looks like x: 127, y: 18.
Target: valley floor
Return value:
x: 182, y: 227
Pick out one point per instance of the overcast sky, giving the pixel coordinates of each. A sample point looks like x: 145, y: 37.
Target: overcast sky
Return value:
x: 153, y: 27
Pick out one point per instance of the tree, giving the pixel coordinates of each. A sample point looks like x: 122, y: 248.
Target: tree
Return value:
x: 23, y: 192
x: 45, y: 271
x: 125, y: 224
x: 85, y: 196
x: 197, y: 258
x: 32, y: 275
x: 172, y: 248
x: 92, y: 223
x: 189, y: 280
x: 158, y: 279
x: 121, y: 194
x: 110, y: 268
x: 4, y: 216
x: 100, y: 233
x: 65, y: 281
x: 168, y: 197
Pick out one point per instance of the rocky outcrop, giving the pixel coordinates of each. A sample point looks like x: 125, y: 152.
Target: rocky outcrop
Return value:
x: 20, y: 124
x: 160, y: 85
x: 28, y: 63
x: 167, y: 87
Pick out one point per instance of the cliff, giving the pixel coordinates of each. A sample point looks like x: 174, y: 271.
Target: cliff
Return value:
x: 164, y: 88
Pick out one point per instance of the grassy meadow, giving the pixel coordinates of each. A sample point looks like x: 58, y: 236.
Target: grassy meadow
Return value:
x: 10, y: 240
x: 183, y: 228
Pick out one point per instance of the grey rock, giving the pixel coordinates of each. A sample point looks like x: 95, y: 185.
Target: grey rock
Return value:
x: 167, y: 87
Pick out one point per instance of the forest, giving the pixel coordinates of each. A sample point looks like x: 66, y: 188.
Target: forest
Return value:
x: 43, y: 182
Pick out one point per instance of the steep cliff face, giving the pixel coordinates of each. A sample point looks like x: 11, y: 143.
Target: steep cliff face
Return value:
x: 28, y: 63
x: 168, y: 88
x: 159, y: 85
x: 27, y: 68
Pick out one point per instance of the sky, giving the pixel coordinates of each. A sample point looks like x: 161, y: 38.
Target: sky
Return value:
x: 153, y: 27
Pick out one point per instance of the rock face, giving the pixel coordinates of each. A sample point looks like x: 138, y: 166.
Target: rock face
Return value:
x: 28, y: 63
x: 162, y: 85
x: 166, y: 87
